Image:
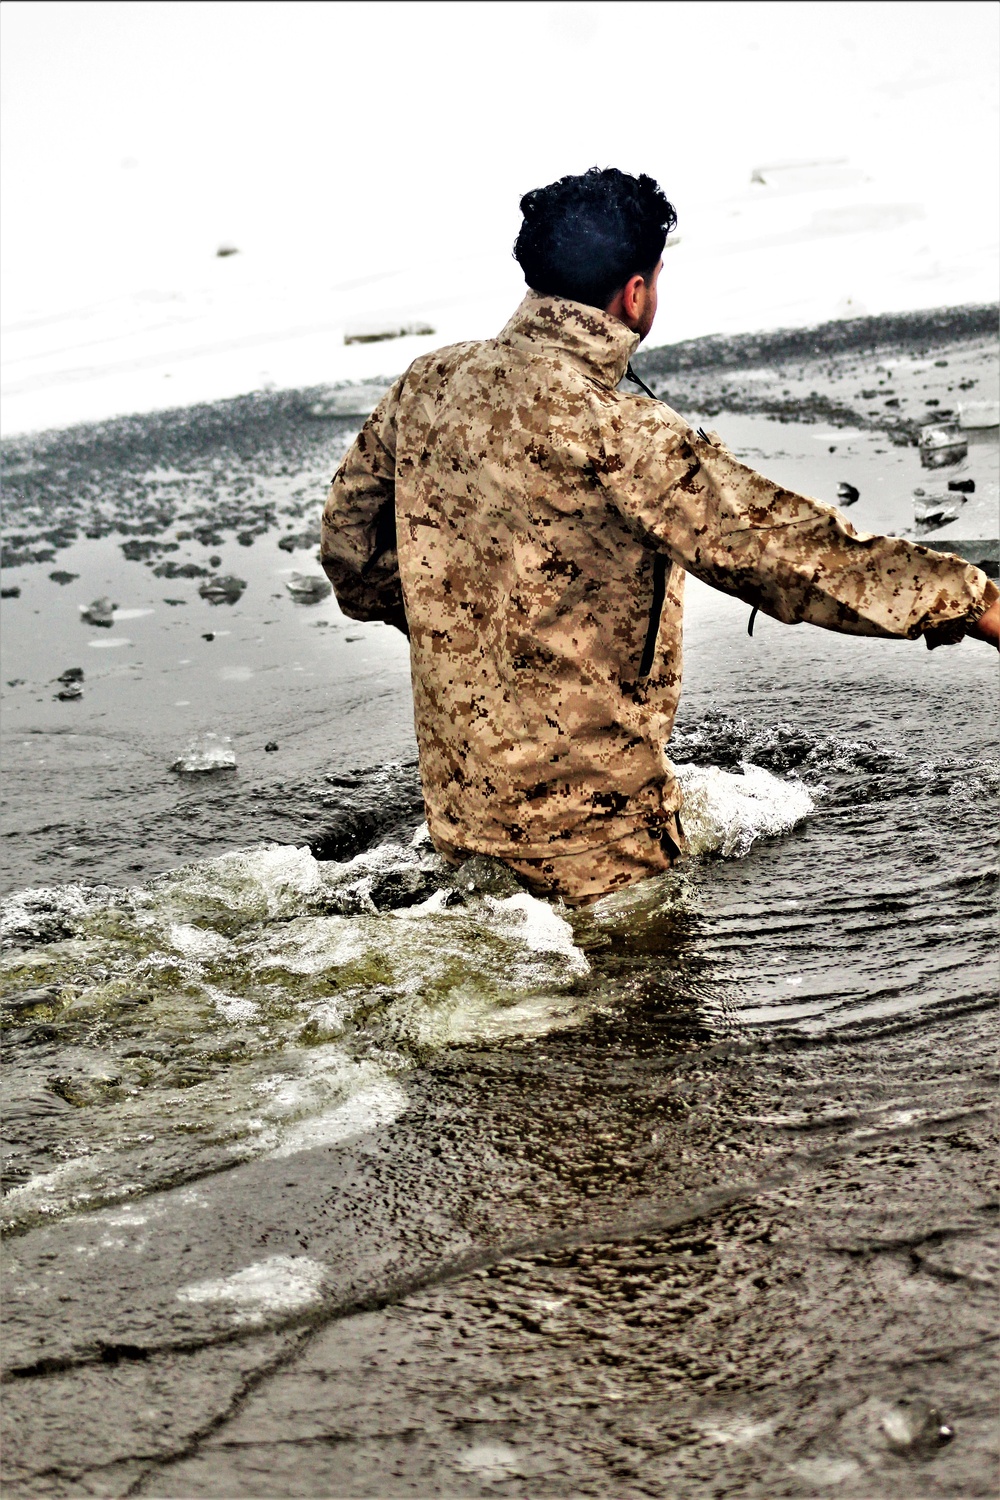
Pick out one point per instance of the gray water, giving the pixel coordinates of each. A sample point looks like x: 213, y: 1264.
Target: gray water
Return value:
x: 582, y: 1119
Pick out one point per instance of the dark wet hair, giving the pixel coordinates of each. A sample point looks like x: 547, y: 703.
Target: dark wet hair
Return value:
x: 584, y: 237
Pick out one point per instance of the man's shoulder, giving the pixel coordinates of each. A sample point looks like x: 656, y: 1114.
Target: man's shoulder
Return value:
x: 440, y: 363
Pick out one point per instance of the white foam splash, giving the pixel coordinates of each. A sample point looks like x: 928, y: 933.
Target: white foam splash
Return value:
x: 196, y: 942
x: 259, y: 884
x: 725, y: 814
x: 538, y: 926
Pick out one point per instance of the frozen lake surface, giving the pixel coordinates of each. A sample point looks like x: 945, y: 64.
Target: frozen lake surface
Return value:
x: 326, y: 1178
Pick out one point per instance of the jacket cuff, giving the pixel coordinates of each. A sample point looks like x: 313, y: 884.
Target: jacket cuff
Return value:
x: 950, y: 632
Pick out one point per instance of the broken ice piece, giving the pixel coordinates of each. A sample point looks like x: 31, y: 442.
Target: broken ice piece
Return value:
x: 847, y: 494
x: 224, y: 590
x: 206, y: 752
x: 913, y: 1425
x: 941, y: 446
x: 308, y: 588
x: 299, y: 540
x: 70, y: 693
x: 71, y: 674
x: 100, y: 612
x: 973, y: 415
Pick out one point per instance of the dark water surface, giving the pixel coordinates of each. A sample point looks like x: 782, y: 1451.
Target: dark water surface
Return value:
x: 324, y: 1179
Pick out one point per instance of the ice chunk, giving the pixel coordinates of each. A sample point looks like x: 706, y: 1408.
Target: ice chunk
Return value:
x: 941, y: 445
x: 376, y: 333
x: 976, y: 414
x: 100, y: 612
x: 207, y: 752
x: 227, y: 589
x: 308, y: 588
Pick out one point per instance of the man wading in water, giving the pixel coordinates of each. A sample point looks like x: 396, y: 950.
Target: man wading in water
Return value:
x: 528, y: 525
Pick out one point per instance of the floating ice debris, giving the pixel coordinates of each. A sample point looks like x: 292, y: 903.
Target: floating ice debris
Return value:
x: 962, y: 486
x: 941, y: 446
x: 71, y: 674
x: 914, y: 1426
x: 977, y: 414
x: 271, y: 746
x: 70, y: 693
x: 300, y: 540
x: 226, y: 250
x: 847, y: 494
x: 726, y: 814
x: 308, y: 588
x: 935, y: 508
x: 206, y: 752
x: 284, y: 1283
x: 225, y: 590
x: 61, y: 576
x: 13, y: 592
x: 171, y: 569
x: 100, y: 612
x: 138, y: 549
x: 376, y: 333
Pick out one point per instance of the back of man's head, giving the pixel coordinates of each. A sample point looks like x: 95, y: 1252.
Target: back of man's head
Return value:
x: 584, y: 237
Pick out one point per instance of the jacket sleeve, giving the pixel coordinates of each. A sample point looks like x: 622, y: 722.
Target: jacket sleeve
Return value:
x: 358, y: 539
x: 791, y: 557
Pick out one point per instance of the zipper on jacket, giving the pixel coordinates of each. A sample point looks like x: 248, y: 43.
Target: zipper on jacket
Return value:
x: 655, y: 611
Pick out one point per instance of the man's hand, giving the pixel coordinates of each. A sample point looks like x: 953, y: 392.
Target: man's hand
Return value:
x: 987, y: 627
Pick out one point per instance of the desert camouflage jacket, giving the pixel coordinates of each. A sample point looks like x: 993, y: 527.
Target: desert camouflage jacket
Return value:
x: 531, y: 525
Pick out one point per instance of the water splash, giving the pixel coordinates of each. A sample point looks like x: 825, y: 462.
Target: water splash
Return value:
x: 259, y: 1003
x: 726, y: 814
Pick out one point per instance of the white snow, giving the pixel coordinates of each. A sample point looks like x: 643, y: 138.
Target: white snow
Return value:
x: 139, y: 139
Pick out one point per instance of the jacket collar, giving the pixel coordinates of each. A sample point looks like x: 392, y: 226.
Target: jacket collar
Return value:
x: 588, y: 334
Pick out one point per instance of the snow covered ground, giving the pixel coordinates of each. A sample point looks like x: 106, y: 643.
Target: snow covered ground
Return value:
x: 366, y: 161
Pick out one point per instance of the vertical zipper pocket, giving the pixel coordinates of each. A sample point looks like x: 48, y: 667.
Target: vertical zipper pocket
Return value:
x: 660, y: 563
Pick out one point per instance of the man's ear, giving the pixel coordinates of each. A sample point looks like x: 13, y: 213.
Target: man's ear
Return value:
x: 628, y: 304
x: 634, y: 297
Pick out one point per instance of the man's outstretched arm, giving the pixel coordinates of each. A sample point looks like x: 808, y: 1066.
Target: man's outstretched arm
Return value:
x: 790, y: 556
x: 358, y: 546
